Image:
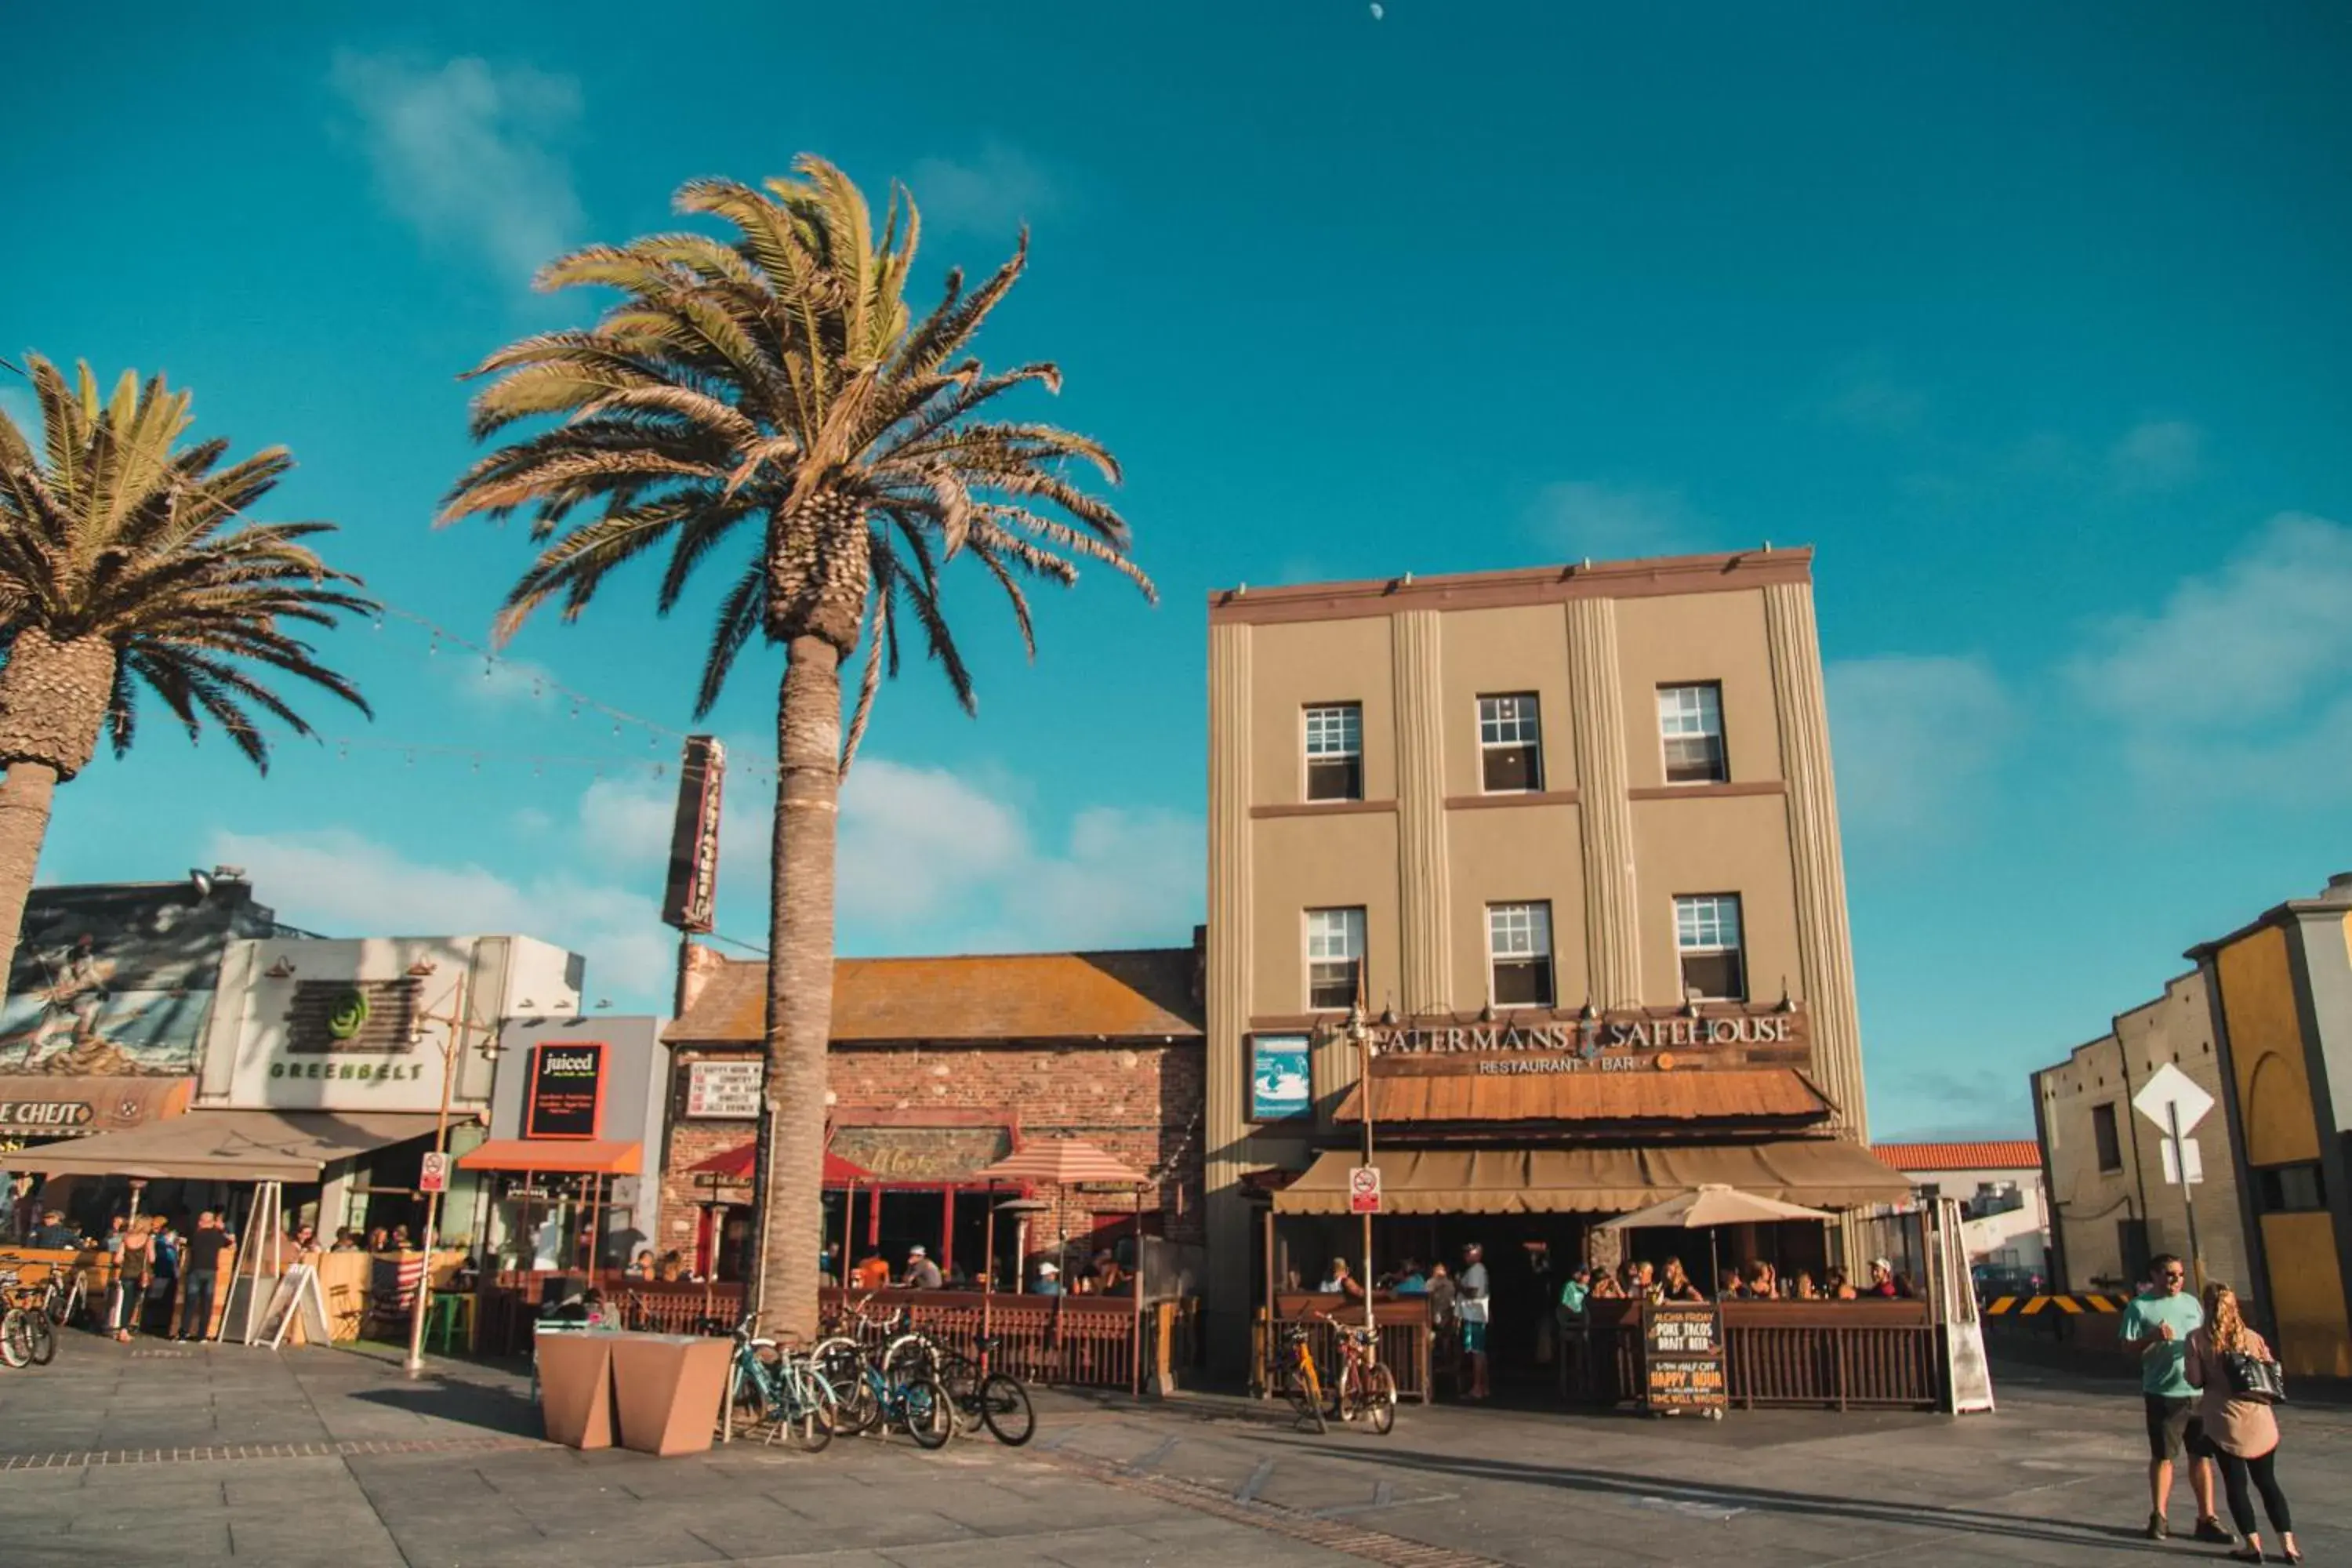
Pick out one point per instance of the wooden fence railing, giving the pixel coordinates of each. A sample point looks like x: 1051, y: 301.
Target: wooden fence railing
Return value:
x: 1839, y: 1354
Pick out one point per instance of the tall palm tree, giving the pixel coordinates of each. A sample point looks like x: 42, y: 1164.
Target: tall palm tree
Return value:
x: 774, y: 385
x: 119, y: 567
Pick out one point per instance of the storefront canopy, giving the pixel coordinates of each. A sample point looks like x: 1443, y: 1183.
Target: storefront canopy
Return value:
x: 1780, y: 1092
x: 1823, y: 1172
x: 591, y: 1156
x: 233, y: 1145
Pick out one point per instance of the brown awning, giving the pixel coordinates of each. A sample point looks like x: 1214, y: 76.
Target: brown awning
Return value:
x: 1590, y: 1097
x: 231, y: 1145
x: 1823, y: 1173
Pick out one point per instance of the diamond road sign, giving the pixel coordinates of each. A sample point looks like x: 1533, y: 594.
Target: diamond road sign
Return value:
x: 2170, y: 1090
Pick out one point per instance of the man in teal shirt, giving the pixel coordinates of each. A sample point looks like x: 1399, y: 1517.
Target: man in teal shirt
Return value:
x: 2157, y: 1325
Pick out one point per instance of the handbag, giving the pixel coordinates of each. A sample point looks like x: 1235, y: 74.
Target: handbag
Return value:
x: 2254, y: 1378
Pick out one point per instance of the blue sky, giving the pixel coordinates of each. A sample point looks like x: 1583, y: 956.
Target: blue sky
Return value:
x: 2033, y: 323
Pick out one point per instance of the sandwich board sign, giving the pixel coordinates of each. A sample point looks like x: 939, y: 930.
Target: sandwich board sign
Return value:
x: 297, y: 1292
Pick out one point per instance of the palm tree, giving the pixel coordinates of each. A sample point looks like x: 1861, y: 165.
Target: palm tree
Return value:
x: 119, y: 567
x: 773, y: 385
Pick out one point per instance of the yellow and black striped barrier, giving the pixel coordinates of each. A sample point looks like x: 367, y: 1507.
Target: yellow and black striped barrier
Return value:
x: 2072, y: 1305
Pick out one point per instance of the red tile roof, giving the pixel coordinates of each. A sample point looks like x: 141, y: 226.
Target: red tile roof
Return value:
x: 1136, y: 995
x: 1996, y: 1154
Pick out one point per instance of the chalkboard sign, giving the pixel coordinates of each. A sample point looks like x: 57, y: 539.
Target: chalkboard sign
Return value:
x: 1682, y: 1357
x: 567, y: 1089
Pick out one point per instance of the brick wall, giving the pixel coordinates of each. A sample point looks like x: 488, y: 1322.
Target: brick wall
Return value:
x: 1140, y: 1103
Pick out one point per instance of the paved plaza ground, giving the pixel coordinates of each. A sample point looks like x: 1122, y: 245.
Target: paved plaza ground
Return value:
x: 126, y: 1456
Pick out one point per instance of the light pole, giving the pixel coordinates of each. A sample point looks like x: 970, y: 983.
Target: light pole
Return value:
x: 1362, y: 1039
x: 453, y: 1045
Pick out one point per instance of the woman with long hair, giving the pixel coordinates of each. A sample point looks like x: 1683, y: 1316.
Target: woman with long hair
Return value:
x: 2242, y: 1432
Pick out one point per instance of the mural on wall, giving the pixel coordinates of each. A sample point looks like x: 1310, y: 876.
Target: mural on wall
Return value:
x: 117, y: 978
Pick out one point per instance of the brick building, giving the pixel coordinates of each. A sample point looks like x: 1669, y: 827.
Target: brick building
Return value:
x: 939, y: 1066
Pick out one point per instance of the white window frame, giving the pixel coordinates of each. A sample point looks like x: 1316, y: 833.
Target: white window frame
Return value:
x: 1699, y: 930
x: 1529, y: 936
x: 1316, y: 731
x: 1522, y: 727
x: 1319, y: 934
x: 1687, y: 722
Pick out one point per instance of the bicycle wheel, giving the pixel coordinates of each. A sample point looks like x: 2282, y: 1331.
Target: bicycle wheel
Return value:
x: 1378, y: 1388
x: 1005, y: 1406
x: 14, y: 1348
x: 40, y: 1338
x: 1306, y: 1394
x: 808, y: 1416
x: 749, y: 1407
x: 960, y: 1378
x: 59, y: 1302
x: 927, y: 1413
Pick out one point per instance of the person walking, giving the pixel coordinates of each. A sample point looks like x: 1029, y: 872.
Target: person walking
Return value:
x: 2156, y: 1327
x: 134, y: 1261
x: 1474, y: 1303
x: 2238, y: 1426
x: 201, y: 1272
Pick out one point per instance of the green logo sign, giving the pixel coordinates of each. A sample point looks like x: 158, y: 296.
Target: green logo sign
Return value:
x: 348, y: 1016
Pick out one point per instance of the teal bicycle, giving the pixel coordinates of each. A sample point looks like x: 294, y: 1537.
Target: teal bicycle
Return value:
x: 774, y: 1391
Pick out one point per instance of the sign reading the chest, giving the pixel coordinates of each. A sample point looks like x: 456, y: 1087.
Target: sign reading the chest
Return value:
x: 567, y: 1089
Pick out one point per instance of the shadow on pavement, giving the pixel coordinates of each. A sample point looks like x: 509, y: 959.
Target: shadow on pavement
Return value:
x: 462, y: 1403
x: 1969, y: 1521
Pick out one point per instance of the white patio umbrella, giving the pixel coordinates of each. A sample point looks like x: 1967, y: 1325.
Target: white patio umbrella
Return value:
x: 1707, y: 1205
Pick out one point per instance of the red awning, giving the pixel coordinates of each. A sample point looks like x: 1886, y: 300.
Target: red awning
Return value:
x: 593, y: 1156
x: 736, y: 1165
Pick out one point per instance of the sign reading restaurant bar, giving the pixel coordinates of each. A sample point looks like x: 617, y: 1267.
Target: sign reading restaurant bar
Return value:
x: 1629, y: 1041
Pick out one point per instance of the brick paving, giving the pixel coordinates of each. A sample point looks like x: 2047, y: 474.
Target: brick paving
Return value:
x: 333, y: 1460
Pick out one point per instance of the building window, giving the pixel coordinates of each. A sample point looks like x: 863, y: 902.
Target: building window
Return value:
x: 2289, y: 1189
x: 1510, y: 744
x: 1335, y: 956
x: 2104, y: 1132
x: 1690, y: 725
x: 1335, y: 752
x: 1706, y: 935
x: 1518, y: 949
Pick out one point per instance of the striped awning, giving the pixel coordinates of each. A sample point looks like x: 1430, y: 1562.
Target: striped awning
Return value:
x: 1820, y: 1172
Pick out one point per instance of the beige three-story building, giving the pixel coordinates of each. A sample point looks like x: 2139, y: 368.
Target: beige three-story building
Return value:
x: 1571, y: 836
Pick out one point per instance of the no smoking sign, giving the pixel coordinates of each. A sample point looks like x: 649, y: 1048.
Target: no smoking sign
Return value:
x: 1364, y: 1190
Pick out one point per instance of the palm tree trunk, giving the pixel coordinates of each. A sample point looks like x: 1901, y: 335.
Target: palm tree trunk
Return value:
x: 24, y: 796
x: 791, y: 1222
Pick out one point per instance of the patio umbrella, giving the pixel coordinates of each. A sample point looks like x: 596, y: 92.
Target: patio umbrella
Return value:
x: 1062, y: 1161
x: 1706, y: 1206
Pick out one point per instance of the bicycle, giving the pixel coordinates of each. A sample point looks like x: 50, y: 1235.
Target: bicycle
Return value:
x: 62, y: 1296
x: 872, y: 1390
x: 1365, y: 1387
x: 997, y: 1400
x: 1301, y: 1385
x: 27, y: 1335
x: 777, y: 1389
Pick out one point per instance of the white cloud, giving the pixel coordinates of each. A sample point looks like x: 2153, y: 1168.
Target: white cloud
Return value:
x: 337, y: 880
x: 1577, y: 519
x: 2156, y: 456
x: 468, y: 152
x: 1913, y: 738
x: 1863, y: 394
x: 2252, y: 641
x: 989, y: 196
x: 2241, y: 686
